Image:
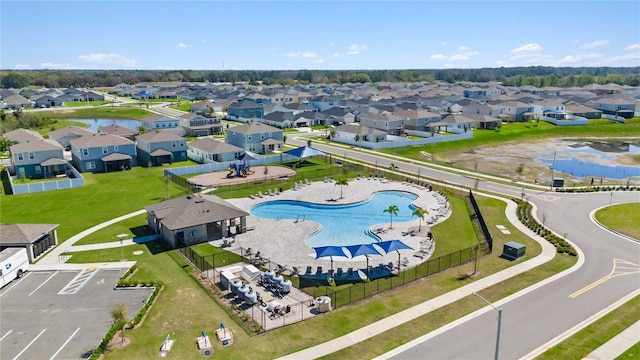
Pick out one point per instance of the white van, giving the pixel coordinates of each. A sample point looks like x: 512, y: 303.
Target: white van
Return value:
x: 13, y: 263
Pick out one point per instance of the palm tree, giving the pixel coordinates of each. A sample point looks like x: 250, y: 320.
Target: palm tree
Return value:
x: 392, y: 210
x: 393, y: 167
x: 142, y: 129
x: 342, y: 182
x: 420, y: 212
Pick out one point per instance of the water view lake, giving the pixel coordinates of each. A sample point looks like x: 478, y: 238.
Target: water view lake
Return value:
x: 95, y: 124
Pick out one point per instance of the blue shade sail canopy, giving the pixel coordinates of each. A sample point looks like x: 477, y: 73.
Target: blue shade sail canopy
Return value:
x: 362, y: 249
x: 329, y: 251
x: 304, y: 152
x: 393, y: 245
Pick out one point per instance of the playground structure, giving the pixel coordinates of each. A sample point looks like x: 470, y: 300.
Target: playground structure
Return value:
x: 239, y: 170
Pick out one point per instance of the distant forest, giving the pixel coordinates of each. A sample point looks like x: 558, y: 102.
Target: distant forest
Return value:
x: 538, y: 76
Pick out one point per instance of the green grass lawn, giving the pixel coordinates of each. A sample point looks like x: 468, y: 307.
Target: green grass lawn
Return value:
x: 623, y: 218
x: 72, y: 104
x: 101, y: 112
x: 182, y: 106
x: 525, y: 131
x: 591, y: 337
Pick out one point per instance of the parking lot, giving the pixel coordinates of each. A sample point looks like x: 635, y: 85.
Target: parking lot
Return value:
x: 61, y: 314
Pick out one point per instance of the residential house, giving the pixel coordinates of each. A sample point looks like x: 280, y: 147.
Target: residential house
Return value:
x: 488, y: 110
x: 195, y: 219
x: 322, y: 103
x: 37, y: 159
x: 20, y: 135
x: 115, y: 129
x: 207, y: 150
x: 298, y: 108
x: 160, y: 147
x: 454, y: 123
x: 518, y: 111
x: 474, y: 92
x: 16, y: 102
x: 418, y: 119
x: 616, y: 106
x: 202, y: 106
x: 574, y: 108
x: 357, y: 133
x: 245, y: 110
x: 103, y: 153
x: 335, y: 116
x: 202, y: 124
x: 279, y: 119
x: 163, y: 122
x: 391, y: 124
x: 47, y: 101
x: 553, y: 108
x: 482, y: 121
x: 256, y: 137
x: 66, y: 134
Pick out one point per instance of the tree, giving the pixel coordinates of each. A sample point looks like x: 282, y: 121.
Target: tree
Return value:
x: 393, y: 168
x: 420, y: 212
x: 119, y: 318
x: 5, y: 144
x: 309, y: 142
x: 142, y: 129
x: 392, y: 210
x: 520, y: 170
x: 15, y: 80
x: 357, y: 139
x: 265, y: 172
x: 284, y: 138
x: 342, y: 182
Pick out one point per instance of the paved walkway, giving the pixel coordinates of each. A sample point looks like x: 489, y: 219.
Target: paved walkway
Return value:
x: 619, y: 344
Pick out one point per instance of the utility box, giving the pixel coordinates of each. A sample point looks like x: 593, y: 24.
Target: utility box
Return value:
x: 558, y: 182
x: 513, y: 250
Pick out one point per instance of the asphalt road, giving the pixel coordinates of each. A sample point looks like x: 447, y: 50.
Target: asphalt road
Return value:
x: 535, y: 318
x: 39, y: 321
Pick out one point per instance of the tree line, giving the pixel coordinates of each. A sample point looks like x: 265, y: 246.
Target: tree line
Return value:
x: 538, y: 76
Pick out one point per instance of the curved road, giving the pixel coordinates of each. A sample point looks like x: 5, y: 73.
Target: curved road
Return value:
x: 611, y: 270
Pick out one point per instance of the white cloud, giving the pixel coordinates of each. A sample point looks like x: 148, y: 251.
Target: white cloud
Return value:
x: 438, y: 57
x: 183, y: 46
x: 318, y: 61
x: 50, y: 65
x: 355, y: 49
x: 443, y: 43
x: 458, y: 57
x: 463, y: 48
x: 624, y: 58
x: 306, y: 54
x: 593, y: 45
x: 633, y: 47
x: 529, y: 48
x: 22, y: 66
x: 337, y: 55
x: 573, y: 59
x: 108, y: 59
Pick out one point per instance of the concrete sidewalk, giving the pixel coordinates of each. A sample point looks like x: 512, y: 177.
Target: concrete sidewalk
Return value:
x: 618, y: 344
x: 378, y: 327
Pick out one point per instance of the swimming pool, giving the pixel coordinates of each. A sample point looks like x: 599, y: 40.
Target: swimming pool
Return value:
x: 343, y: 224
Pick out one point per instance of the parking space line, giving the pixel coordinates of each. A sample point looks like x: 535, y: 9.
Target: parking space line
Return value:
x: 49, y: 278
x: 5, y: 335
x: 65, y: 343
x: 29, y: 344
x: 14, y: 283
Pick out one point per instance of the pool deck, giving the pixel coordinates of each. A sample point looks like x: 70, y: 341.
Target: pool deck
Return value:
x: 285, y: 242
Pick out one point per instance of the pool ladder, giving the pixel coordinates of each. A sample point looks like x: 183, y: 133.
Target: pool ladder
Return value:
x: 298, y: 217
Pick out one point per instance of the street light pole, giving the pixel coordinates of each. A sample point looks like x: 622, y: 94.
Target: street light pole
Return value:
x: 499, y: 310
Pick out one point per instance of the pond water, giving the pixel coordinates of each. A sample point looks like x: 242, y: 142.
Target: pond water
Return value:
x: 95, y: 124
x: 602, y: 165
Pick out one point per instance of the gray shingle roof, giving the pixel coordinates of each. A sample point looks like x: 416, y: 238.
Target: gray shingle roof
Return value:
x: 213, y: 146
x: 23, y: 233
x: 102, y: 139
x: 254, y: 128
x: 194, y: 210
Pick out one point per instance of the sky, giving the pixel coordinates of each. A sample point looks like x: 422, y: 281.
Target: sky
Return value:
x: 324, y: 35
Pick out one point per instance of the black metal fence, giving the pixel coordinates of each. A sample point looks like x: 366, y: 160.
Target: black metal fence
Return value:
x: 483, y: 225
x: 366, y: 289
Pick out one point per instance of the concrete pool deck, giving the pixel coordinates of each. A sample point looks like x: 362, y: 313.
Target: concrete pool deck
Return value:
x: 285, y: 241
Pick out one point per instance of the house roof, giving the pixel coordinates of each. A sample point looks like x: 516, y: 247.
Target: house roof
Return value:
x: 57, y: 134
x: 213, y: 146
x: 157, y: 118
x: 194, y: 210
x: 254, y: 128
x: 35, y: 145
x: 160, y: 152
x: 23, y: 233
x: 115, y: 157
x: 159, y: 136
x: 16, y: 100
x: 53, y: 161
x: 19, y: 135
x: 359, y: 129
x: 100, y: 139
x: 270, y: 142
x: 115, y: 129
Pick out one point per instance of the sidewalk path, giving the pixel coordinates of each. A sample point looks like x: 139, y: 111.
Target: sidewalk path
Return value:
x: 618, y: 344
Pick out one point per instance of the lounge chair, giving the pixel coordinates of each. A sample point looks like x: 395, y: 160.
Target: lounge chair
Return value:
x: 271, y: 192
x: 308, y: 271
x: 350, y: 272
x: 251, y: 196
x: 325, y: 179
x: 339, y: 272
x: 307, y: 181
x: 276, y: 191
x: 260, y: 193
x: 319, y: 270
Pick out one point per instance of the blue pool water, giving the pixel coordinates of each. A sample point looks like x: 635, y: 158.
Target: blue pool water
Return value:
x: 95, y: 124
x: 343, y: 224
